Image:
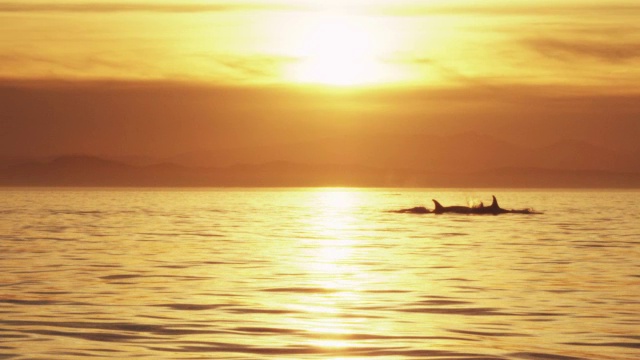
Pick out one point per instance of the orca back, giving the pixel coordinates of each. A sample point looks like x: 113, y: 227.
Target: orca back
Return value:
x: 494, y: 203
x: 439, y: 208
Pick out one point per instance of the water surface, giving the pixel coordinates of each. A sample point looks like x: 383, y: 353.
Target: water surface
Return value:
x: 317, y: 274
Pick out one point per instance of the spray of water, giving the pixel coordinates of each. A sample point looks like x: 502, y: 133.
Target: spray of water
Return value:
x: 474, y: 202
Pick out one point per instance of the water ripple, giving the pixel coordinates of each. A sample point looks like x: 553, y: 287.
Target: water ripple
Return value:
x: 315, y: 274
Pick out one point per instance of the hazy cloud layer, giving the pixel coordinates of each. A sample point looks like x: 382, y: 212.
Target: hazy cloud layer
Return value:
x: 117, y: 65
x: 523, y: 46
x: 609, y: 51
x: 163, y: 118
x: 512, y: 9
x: 452, y: 74
x: 106, y: 7
x: 252, y: 67
x: 407, y: 9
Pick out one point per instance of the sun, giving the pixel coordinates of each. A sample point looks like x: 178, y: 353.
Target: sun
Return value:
x: 337, y: 50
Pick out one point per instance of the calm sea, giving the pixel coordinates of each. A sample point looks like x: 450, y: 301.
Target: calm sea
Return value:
x: 317, y: 274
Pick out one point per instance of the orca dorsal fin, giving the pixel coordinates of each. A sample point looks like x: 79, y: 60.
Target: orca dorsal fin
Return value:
x: 494, y: 203
x: 439, y: 208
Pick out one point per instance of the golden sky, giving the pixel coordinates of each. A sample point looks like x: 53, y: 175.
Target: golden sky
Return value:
x: 343, y: 42
x: 158, y: 78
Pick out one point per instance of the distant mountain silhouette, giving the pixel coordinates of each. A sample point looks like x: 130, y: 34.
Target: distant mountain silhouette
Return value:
x: 549, y: 178
x: 94, y: 171
x: 67, y: 170
x: 462, y: 160
x: 572, y: 154
x: 465, y: 152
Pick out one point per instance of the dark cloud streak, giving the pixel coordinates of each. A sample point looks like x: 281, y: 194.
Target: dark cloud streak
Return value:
x: 10, y: 7
x: 513, y: 9
x: 247, y: 67
x: 240, y: 68
x: 451, y: 73
x: 608, y: 51
x: 394, y: 10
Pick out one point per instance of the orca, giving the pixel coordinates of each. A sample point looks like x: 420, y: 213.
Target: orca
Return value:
x: 494, y: 209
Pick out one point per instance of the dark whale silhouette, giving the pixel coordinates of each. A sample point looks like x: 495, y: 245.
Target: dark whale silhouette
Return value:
x: 493, y: 209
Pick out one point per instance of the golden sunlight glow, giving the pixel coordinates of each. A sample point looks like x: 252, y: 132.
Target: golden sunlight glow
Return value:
x: 337, y: 198
x: 339, y: 50
x: 349, y: 43
x: 331, y: 260
x: 331, y: 255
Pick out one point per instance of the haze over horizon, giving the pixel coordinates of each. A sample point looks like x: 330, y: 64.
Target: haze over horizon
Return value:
x: 166, y: 79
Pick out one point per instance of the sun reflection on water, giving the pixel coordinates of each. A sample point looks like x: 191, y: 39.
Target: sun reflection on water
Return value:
x: 337, y: 198
x: 332, y: 250
x: 329, y: 260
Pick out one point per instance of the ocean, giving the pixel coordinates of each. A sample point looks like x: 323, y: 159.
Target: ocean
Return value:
x: 317, y: 273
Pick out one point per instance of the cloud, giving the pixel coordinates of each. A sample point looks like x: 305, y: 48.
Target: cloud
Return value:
x: 451, y: 8
x: 207, y: 67
x: 446, y: 71
x: 453, y: 76
x: 256, y: 66
x: 106, y: 7
x: 34, y: 65
x: 607, y: 51
x: 510, y: 9
x: 160, y: 117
